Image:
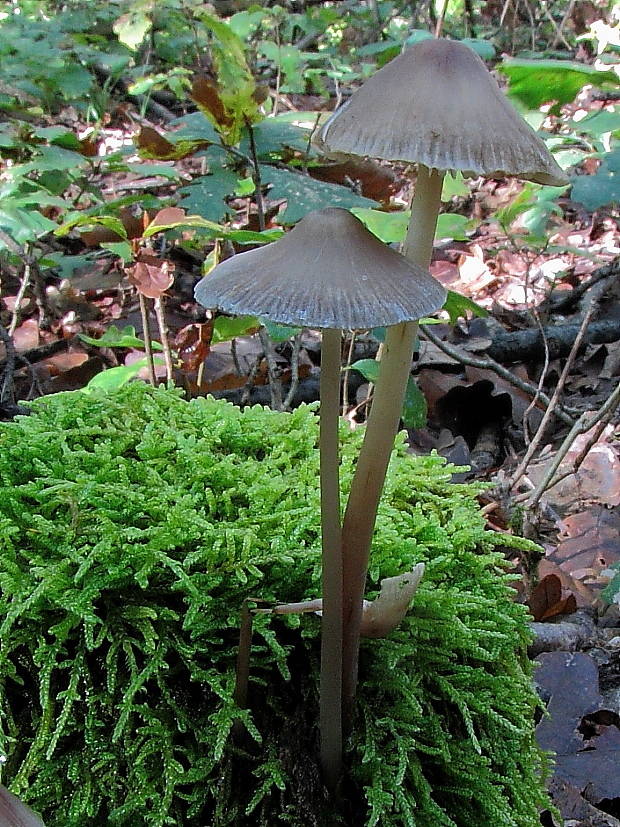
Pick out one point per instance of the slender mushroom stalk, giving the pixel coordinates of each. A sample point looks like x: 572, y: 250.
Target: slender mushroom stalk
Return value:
x: 437, y: 106
x: 382, y: 425
x: 329, y: 272
x: 330, y: 716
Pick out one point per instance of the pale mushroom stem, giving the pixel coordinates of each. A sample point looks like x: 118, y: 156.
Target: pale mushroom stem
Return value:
x: 330, y: 719
x: 381, y: 428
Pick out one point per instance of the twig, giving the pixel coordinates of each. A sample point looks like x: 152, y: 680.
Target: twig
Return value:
x: 540, y: 431
x: 294, y: 373
x: 163, y: 335
x: 245, y: 395
x: 7, y: 392
x: 345, y: 375
x: 256, y: 177
x: 582, y: 426
x: 491, y: 364
x: 146, y: 330
x: 565, y: 300
x: 19, y: 298
x: 275, y: 387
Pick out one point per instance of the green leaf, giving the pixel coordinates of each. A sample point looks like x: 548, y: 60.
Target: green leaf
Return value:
x: 303, y: 194
x: 193, y: 127
x: 274, y: 136
x: 148, y: 170
x: 113, y: 337
x: 457, y: 306
x: 484, y: 48
x: 534, y: 82
x: 391, y: 227
x: 280, y: 332
x: 602, y: 188
x: 114, y: 378
x: 414, y: 405
x: 454, y: 186
x: 24, y: 225
x: 122, y: 249
x: 226, y: 328
x: 240, y: 236
x: 452, y: 225
x: 598, y: 123
x: 132, y: 28
x: 207, y: 194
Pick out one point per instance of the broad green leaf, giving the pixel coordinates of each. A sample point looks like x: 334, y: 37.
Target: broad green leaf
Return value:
x: 484, y: 48
x: 24, y: 225
x: 535, y: 82
x: 54, y: 159
x: 602, y: 188
x: 456, y: 306
x: 226, y: 328
x: 73, y: 81
x: 113, y: 337
x: 414, y: 405
x: 453, y: 225
x: 273, y: 136
x: 207, y: 194
x: 454, y: 186
x: 131, y: 28
x: 148, y: 170
x: 598, y: 123
x: 122, y: 249
x: 194, y: 127
x: 391, y: 227
x: 114, y: 378
x: 304, y: 194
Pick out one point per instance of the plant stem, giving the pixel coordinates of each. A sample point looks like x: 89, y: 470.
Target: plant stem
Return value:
x: 331, y: 624
x: 381, y: 428
x: 146, y: 332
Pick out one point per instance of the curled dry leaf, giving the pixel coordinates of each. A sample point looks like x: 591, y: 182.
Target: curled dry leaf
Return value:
x: 387, y: 610
x: 152, y: 276
x: 549, y: 599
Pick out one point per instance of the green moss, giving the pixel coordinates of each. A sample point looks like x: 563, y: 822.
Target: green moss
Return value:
x: 133, y: 526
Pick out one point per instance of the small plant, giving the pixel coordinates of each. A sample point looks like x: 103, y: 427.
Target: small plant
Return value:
x: 134, y: 526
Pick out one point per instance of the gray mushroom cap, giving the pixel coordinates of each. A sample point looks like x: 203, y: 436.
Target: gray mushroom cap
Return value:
x: 328, y: 272
x: 436, y: 104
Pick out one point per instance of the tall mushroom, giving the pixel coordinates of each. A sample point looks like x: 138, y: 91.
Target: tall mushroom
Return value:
x: 437, y: 106
x: 330, y: 273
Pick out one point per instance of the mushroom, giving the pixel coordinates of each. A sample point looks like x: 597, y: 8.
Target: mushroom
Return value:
x: 331, y: 273
x: 435, y: 105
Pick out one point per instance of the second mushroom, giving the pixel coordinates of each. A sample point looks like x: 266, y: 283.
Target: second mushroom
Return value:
x: 330, y: 273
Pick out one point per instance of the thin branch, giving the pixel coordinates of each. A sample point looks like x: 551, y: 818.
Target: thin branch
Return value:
x: 288, y: 400
x: 582, y: 426
x: 540, y: 431
x: 146, y: 332
x: 163, y: 335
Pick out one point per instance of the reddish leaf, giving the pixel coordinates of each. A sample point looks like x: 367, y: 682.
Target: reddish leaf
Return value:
x: 193, y: 344
x: 151, y: 276
x: 206, y: 95
x: 377, y: 182
x: 169, y: 215
x: 154, y: 143
x: 102, y: 235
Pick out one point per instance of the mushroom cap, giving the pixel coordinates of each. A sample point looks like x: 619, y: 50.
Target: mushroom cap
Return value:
x: 437, y: 104
x: 327, y: 272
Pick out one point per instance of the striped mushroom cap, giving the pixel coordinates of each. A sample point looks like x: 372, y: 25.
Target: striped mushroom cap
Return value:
x: 328, y: 272
x: 436, y: 104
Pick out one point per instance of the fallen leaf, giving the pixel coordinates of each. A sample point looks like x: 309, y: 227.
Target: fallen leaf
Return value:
x: 151, y: 276
x: 548, y: 600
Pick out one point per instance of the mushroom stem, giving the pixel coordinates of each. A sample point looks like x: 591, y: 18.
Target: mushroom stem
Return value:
x: 381, y: 428
x: 331, y: 626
